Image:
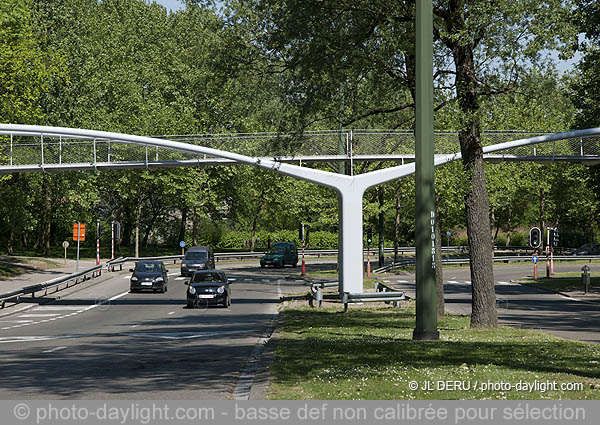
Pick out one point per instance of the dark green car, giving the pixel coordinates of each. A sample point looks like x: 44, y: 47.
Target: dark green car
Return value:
x: 280, y: 254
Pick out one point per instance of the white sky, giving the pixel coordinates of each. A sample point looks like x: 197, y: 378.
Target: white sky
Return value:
x: 171, y: 4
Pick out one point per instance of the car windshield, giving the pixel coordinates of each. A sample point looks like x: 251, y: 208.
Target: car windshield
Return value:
x: 277, y: 251
x: 208, y: 277
x: 147, y: 267
x: 196, y: 255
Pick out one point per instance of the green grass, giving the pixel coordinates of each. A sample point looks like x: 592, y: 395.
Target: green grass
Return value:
x: 369, y: 353
x: 14, y: 266
x: 562, y: 281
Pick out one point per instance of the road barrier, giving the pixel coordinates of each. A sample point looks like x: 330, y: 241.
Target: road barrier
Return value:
x: 411, y: 261
x: 75, y: 278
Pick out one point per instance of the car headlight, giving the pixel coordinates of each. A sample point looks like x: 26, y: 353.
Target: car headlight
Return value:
x: 221, y: 289
x: 192, y: 290
x: 158, y: 279
x: 134, y: 278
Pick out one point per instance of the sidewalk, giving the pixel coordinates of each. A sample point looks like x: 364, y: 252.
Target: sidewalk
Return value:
x: 39, y: 271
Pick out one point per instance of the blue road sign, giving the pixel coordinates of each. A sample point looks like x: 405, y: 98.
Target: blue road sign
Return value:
x: 182, y: 244
x: 534, y: 259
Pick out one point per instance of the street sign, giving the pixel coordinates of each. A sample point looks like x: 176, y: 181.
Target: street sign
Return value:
x: 534, y: 259
x: 182, y: 244
x: 65, y: 244
x: 79, y: 232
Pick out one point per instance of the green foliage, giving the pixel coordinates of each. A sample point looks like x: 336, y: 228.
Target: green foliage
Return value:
x: 23, y: 73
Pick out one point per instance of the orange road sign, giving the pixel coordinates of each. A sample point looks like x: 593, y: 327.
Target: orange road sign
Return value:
x: 81, y: 231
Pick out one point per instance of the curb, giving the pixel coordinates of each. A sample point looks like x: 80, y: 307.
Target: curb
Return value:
x: 554, y: 291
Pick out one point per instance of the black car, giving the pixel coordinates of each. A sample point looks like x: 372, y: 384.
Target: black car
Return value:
x: 208, y: 287
x: 149, y: 275
x: 197, y: 258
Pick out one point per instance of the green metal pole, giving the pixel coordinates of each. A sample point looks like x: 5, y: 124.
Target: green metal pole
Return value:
x: 426, y: 323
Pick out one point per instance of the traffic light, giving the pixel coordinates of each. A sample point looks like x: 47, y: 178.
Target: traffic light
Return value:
x: 535, y: 237
x: 369, y: 234
x: 554, y: 236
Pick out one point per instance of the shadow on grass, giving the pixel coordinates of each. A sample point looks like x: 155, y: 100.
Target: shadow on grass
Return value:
x: 314, y: 340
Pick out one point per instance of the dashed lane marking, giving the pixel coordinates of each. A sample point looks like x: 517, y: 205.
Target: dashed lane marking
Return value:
x: 52, y: 350
x: 40, y: 315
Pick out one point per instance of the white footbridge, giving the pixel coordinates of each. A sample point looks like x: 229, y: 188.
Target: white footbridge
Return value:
x: 30, y: 148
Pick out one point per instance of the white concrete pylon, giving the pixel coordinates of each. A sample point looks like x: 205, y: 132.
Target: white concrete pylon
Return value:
x: 350, y: 189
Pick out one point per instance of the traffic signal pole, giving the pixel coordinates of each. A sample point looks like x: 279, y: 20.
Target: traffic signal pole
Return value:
x: 426, y: 296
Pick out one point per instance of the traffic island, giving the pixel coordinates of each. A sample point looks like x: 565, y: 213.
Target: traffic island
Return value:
x: 369, y: 353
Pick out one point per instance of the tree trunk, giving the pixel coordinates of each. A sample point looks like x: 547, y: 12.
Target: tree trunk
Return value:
x: 184, y: 213
x: 126, y: 226
x: 483, y: 313
x: 9, y: 247
x: 195, y: 228
x: 255, y: 220
x: 46, y: 219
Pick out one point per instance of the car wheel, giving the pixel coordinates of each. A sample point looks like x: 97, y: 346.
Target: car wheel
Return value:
x: 295, y: 264
x: 262, y: 265
x: 132, y: 290
x: 190, y: 305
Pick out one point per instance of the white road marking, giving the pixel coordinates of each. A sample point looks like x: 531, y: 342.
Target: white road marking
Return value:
x: 9, y: 339
x: 171, y: 312
x: 58, y: 307
x: 180, y: 278
x: 15, y: 321
x: 402, y: 281
x: 452, y: 281
x: 40, y: 315
x: 52, y: 350
x: 173, y: 274
x: 134, y: 326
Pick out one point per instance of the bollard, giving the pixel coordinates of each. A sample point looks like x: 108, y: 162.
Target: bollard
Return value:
x: 319, y: 297
x: 585, y: 278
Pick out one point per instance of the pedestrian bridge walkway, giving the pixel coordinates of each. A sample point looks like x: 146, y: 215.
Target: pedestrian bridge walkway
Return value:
x: 27, y: 148
x: 21, y: 151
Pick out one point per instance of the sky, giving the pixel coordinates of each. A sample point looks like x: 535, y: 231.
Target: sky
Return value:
x: 171, y: 4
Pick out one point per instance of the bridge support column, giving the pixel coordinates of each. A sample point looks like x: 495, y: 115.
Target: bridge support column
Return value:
x: 351, y: 243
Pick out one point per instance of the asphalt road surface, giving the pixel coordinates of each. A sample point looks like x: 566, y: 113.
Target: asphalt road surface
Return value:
x: 101, y: 342
x: 98, y: 341
x: 519, y: 305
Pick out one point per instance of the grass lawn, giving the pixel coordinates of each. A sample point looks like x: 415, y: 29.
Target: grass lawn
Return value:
x: 14, y: 266
x: 368, y: 353
x: 562, y: 281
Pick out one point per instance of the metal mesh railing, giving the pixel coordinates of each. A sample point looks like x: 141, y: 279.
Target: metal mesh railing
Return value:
x: 357, y: 144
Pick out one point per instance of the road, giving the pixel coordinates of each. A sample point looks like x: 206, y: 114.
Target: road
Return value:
x: 98, y: 341
x: 519, y: 305
x: 101, y: 342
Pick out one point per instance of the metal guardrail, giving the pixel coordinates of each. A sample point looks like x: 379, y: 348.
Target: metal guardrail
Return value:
x: 15, y: 296
x: 499, y: 259
x: 383, y: 293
